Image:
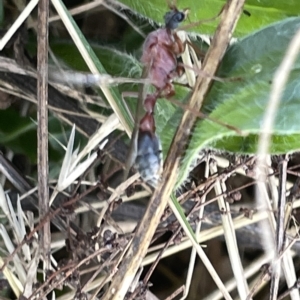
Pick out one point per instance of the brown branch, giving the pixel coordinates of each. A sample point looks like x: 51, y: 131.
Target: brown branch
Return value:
x: 42, y: 97
x: 159, y: 200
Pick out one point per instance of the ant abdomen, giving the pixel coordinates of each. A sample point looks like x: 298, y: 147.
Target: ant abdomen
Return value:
x: 148, y: 161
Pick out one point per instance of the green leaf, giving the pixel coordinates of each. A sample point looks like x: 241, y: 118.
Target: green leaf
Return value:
x: 12, y: 131
x: 262, y: 13
x: 1, y: 13
x: 242, y: 103
x: 238, y: 103
x: 182, y: 219
x: 116, y: 63
x: 20, y: 135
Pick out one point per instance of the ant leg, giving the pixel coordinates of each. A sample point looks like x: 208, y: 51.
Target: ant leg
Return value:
x: 179, y: 70
x: 179, y: 45
x: 176, y: 48
x: 126, y: 95
x: 193, y: 24
x: 201, y: 115
x: 182, y: 46
x: 132, y: 151
x: 200, y: 72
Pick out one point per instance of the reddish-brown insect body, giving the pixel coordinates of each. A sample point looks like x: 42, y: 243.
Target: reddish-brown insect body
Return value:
x: 160, y: 57
x: 160, y: 51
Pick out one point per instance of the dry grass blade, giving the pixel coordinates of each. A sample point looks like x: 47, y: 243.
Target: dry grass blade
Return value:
x: 92, y: 62
x: 197, y: 232
x: 78, y: 10
x: 71, y: 168
x: 249, y: 272
x: 158, y: 202
x: 20, y: 271
x: 22, y: 17
x: 211, y: 233
x: 13, y: 281
x: 23, y: 275
x: 230, y: 238
x: 205, y: 260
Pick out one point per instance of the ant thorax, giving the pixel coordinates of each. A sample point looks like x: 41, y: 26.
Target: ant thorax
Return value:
x: 159, y: 58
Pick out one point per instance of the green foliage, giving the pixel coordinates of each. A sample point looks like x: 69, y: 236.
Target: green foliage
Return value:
x: 20, y: 135
x: 250, y: 63
x: 94, y: 63
x: 116, y: 63
x: 242, y: 103
x: 262, y: 13
x: 1, y: 13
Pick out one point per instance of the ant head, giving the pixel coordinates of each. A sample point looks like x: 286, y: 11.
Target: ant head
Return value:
x: 174, y: 17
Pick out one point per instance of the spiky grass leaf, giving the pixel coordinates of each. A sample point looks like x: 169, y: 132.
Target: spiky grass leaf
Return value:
x: 20, y: 271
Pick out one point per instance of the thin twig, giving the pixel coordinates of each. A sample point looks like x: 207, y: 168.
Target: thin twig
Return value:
x: 42, y: 97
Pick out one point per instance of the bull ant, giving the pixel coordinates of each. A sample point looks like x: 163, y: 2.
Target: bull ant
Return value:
x: 160, y: 51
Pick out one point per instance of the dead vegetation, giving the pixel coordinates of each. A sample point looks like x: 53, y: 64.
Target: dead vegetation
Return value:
x: 99, y: 236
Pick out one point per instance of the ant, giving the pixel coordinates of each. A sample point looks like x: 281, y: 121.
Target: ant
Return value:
x: 160, y: 52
